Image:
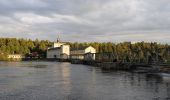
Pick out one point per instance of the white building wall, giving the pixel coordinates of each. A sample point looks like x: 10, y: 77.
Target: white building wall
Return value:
x: 77, y: 57
x: 54, y: 53
x: 90, y: 49
x: 57, y: 44
x: 65, y: 49
x: 62, y: 52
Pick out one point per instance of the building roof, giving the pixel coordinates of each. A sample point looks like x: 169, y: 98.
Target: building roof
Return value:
x: 80, y: 48
x: 60, y: 42
x: 56, y: 48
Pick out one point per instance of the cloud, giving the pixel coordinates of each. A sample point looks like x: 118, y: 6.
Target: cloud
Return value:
x: 86, y: 20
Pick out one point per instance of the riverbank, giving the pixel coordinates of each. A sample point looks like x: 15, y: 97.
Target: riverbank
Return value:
x: 126, y: 66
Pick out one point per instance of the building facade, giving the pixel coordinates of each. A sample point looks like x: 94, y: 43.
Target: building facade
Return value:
x: 58, y: 50
x: 83, y: 53
x: 15, y: 56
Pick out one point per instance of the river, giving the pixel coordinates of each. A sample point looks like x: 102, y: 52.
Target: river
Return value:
x: 65, y: 81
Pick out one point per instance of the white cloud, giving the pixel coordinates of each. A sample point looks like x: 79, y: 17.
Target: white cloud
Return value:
x: 86, y: 20
x: 30, y: 18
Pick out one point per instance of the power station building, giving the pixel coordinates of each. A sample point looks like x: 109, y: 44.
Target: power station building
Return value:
x: 59, y: 50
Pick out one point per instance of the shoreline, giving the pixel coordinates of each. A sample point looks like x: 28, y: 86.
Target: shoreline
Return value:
x: 125, y: 66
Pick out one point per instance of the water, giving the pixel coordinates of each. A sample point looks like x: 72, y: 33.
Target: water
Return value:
x: 65, y: 81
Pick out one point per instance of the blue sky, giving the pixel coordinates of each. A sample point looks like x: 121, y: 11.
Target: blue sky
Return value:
x: 86, y: 20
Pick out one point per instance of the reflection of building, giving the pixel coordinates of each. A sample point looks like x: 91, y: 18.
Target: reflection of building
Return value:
x: 65, y: 75
x: 83, y: 53
x: 59, y: 50
x: 15, y: 56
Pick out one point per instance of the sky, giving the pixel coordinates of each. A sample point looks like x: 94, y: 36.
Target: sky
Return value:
x: 86, y: 20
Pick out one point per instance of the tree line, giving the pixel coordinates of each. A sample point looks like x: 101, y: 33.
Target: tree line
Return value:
x: 23, y: 46
x: 142, y: 52
x: 127, y: 51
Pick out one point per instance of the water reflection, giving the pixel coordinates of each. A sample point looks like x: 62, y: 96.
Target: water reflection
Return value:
x: 65, y: 69
x: 64, y: 81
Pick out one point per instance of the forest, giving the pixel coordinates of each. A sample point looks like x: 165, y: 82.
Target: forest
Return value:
x: 140, y: 51
x: 26, y: 47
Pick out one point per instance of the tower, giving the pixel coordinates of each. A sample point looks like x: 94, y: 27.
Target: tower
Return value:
x: 58, y: 39
x: 58, y: 43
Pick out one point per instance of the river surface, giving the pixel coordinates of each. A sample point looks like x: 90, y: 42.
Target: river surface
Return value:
x: 65, y: 81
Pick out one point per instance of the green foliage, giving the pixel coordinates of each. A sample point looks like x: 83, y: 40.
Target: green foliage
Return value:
x: 126, y: 51
x: 3, y: 57
x: 23, y: 46
x: 140, y: 51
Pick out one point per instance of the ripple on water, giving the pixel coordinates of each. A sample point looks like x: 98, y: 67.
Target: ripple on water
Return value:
x: 64, y: 81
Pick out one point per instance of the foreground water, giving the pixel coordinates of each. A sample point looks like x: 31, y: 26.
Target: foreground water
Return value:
x: 64, y: 81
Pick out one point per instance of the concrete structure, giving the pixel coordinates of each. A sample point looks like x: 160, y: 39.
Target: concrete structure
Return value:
x: 58, y: 50
x: 83, y: 53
